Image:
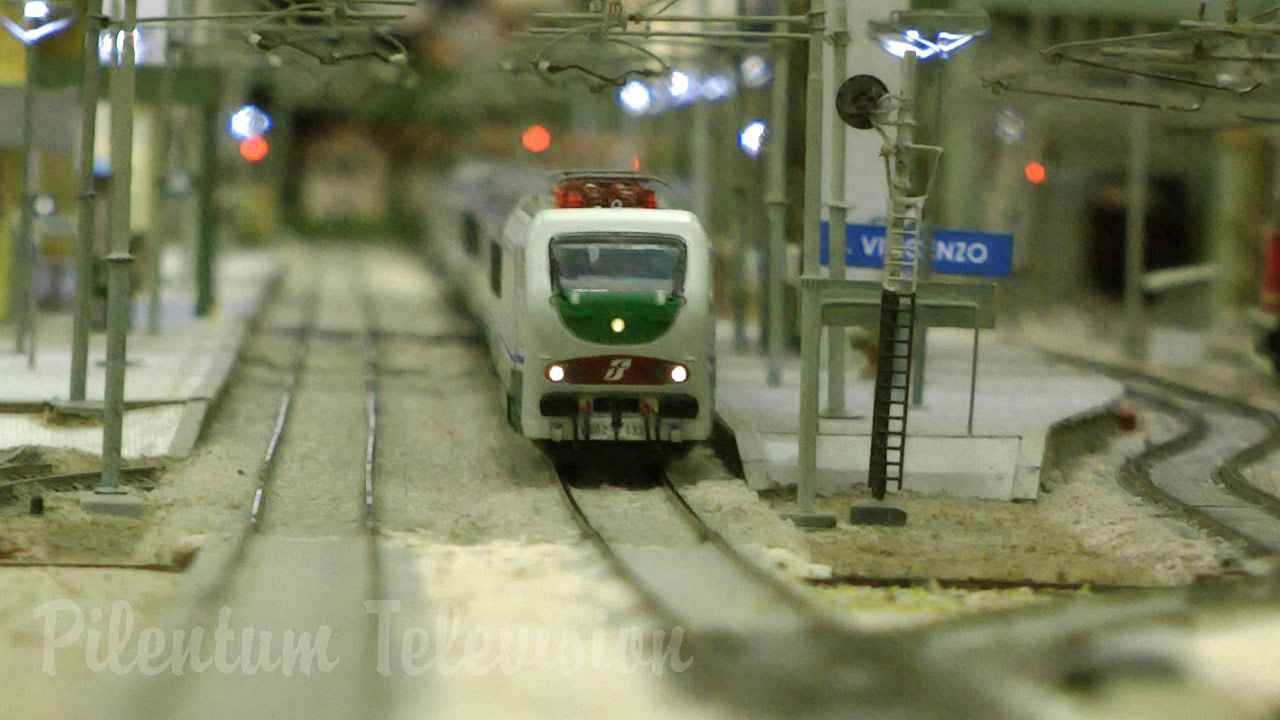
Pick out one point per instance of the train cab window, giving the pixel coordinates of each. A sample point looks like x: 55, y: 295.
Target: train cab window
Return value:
x: 618, y: 262
x: 495, y: 268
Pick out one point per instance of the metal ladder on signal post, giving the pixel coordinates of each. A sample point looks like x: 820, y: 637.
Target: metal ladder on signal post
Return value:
x: 893, y: 356
x: 907, y: 195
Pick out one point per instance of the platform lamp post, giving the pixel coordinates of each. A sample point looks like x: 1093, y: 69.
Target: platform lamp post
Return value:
x: 741, y: 231
x: 932, y: 35
x: 119, y: 260
x: 93, y: 22
x: 776, y: 203
x: 837, y: 212
x: 806, y: 513
x: 40, y: 19
x: 162, y: 204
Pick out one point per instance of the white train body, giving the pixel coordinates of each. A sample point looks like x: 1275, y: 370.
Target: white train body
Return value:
x: 598, y: 319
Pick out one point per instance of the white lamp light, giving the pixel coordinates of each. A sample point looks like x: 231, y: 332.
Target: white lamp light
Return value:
x: 751, y: 138
x: 930, y: 33
x: 635, y: 97
x: 40, y: 19
x: 35, y: 10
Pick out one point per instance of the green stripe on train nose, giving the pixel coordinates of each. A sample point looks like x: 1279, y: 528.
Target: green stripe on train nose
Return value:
x: 618, y: 318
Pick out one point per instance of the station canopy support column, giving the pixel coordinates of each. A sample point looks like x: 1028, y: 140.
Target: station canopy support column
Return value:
x: 119, y: 260
x: 837, y: 212
x: 88, y: 202
x: 806, y: 513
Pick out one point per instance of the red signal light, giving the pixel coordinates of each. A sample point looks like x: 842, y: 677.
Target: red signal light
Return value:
x: 536, y: 139
x: 1035, y: 173
x: 253, y: 148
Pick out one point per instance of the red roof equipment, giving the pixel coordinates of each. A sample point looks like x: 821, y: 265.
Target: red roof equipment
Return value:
x: 605, y: 189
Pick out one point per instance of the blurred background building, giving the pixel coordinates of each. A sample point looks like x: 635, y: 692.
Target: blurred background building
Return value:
x: 361, y: 134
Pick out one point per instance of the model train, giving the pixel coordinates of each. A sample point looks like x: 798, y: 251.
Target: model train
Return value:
x: 597, y: 309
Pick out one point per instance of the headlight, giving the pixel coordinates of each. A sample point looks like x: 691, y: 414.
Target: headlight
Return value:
x: 679, y: 373
x: 555, y: 373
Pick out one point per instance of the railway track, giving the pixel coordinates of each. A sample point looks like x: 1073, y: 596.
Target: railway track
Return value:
x: 24, y: 469
x: 1198, y: 475
x: 18, y: 471
x: 369, y: 352
x: 767, y: 589
x: 756, y: 641
x: 417, y: 338
x: 297, y: 362
x: 980, y: 583
x: 38, y: 474
x: 366, y: 335
x: 307, y: 559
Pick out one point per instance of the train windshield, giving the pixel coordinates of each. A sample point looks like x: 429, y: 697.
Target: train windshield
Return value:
x: 620, y: 262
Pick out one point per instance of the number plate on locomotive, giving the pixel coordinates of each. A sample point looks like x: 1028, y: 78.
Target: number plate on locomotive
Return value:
x: 600, y: 427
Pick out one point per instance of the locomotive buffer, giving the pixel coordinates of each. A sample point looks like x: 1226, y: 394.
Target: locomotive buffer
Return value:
x: 864, y: 103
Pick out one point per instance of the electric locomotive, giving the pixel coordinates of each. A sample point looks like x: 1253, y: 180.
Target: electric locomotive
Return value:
x: 597, y: 306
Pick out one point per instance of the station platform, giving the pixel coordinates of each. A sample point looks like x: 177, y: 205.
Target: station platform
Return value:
x: 172, y: 376
x: 1021, y: 395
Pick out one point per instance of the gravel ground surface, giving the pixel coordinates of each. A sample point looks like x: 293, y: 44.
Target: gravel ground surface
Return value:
x: 641, y: 516
x: 1228, y: 365
x: 1084, y: 528
x: 30, y: 691
x: 1266, y: 476
x: 209, y: 492
x: 895, y: 608
x: 64, y: 532
x: 563, y: 594
x: 450, y: 468
x: 738, y: 513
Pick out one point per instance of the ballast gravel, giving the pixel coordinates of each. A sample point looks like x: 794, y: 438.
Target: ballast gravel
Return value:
x: 1082, y: 529
x: 563, y: 638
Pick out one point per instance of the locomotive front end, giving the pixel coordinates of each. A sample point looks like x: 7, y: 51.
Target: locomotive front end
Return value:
x: 620, y: 320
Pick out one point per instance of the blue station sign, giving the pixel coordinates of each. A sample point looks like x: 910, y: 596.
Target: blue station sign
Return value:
x: 957, y: 252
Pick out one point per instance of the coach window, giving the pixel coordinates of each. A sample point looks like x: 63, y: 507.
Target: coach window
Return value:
x: 495, y: 268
